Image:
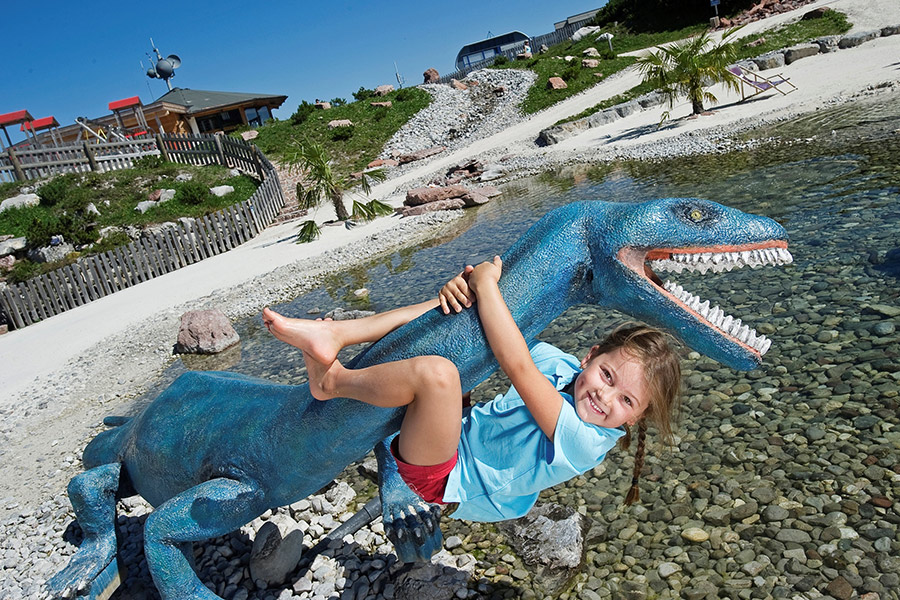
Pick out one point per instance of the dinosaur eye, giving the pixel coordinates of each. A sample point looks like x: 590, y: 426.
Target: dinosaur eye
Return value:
x: 696, y: 215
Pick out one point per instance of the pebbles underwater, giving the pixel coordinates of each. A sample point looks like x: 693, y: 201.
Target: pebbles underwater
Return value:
x: 784, y: 482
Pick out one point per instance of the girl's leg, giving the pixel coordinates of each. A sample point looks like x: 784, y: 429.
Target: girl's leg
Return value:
x: 323, y: 339
x: 427, y: 385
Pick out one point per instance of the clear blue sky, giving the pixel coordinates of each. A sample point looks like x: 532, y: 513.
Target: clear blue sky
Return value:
x: 70, y: 59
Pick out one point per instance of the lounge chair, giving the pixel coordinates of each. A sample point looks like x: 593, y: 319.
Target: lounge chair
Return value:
x: 759, y: 83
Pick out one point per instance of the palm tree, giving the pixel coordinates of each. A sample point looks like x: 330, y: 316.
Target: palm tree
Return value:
x: 320, y: 182
x: 684, y: 68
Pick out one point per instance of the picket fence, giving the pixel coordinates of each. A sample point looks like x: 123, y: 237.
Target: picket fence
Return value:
x: 172, y: 247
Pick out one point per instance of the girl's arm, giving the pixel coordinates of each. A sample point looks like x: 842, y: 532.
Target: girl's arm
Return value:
x: 509, y: 347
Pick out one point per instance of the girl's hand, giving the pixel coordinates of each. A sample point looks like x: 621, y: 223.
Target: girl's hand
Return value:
x: 456, y: 293
x: 486, y: 273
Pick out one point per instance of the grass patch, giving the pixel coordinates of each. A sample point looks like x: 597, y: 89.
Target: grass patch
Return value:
x: 352, y: 148
x: 832, y: 23
x: 553, y: 64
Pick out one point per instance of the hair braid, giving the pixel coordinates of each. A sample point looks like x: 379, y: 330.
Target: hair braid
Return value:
x: 634, y: 493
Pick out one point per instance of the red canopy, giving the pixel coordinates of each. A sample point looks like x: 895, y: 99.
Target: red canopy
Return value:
x: 14, y: 118
x: 126, y: 103
x: 38, y: 124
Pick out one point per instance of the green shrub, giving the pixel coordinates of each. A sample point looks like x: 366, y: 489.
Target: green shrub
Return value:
x: 335, y: 102
x: 113, y: 240
x: 340, y: 134
x: 501, y: 60
x: 54, y: 191
x: 41, y: 228
x: 23, y: 271
x: 193, y: 193
x: 302, y: 113
x: 405, y: 94
x: 152, y: 161
x: 571, y: 73
x: 363, y: 94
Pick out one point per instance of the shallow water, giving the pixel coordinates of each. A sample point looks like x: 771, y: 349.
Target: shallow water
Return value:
x: 817, y: 423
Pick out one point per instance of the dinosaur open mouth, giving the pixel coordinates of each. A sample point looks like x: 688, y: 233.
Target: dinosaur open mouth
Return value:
x: 716, y: 260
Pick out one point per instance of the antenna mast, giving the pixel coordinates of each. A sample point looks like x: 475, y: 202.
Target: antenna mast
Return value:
x: 164, y: 68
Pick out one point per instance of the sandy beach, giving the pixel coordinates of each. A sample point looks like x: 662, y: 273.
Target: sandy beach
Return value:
x: 59, y: 377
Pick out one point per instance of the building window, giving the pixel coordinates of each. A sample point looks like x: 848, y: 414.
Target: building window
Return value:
x: 257, y: 116
x: 223, y: 121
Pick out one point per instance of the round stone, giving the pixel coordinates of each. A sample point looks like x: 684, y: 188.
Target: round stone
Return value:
x: 695, y: 534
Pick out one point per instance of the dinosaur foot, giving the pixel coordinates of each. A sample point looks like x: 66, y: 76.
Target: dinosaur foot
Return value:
x: 86, y: 579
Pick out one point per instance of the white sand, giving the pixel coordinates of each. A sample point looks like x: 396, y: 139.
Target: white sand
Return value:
x: 48, y: 358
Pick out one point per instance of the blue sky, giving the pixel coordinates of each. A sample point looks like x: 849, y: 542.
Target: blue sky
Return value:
x: 70, y: 59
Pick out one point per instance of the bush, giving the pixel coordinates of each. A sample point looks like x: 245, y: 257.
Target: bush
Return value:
x: 571, y: 73
x: 404, y: 94
x: 23, y: 271
x: 363, y: 94
x: 193, y: 193
x: 335, y: 102
x: 501, y: 60
x: 54, y: 191
x: 113, y: 240
x: 302, y: 113
x: 41, y: 228
x: 340, y: 134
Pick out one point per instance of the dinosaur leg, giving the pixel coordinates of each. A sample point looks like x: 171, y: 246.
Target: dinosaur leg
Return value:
x: 93, y: 571
x: 208, y: 510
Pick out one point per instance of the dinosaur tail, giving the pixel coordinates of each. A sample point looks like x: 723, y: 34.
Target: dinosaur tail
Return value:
x: 105, y: 448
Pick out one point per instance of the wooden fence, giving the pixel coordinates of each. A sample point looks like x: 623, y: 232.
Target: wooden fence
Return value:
x: 175, y: 245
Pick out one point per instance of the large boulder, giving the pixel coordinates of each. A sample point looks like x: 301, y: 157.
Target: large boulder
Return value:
x: 49, y: 254
x: 425, y: 195
x: 205, y: 332
x: 795, y: 53
x: 556, y: 83
x: 384, y: 90
x: 12, y: 245
x: 448, y: 204
x: 420, y: 154
x: 431, y: 76
x: 20, y: 201
x: 853, y: 40
x: 770, y: 60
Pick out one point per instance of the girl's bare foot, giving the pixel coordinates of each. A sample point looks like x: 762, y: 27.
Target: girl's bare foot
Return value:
x: 315, y: 338
x: 322, y: 377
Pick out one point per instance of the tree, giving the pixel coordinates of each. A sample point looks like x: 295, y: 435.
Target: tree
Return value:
x: 320, y: 183
x: 685, y: 67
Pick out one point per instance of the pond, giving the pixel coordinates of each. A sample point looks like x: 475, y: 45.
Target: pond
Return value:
x: 808, y: 444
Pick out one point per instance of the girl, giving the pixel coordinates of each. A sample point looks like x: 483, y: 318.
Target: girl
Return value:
x: 558, y: 420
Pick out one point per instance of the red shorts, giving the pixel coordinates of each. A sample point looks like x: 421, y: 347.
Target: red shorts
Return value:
x: 428, y: 482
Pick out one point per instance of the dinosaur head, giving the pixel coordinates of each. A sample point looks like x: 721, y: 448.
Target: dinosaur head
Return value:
x: 634, y: 249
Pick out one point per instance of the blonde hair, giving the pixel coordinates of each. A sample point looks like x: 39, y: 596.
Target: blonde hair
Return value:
x: 662, y: 375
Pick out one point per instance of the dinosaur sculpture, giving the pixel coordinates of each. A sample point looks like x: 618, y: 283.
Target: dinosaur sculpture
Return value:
x: 216, y: 450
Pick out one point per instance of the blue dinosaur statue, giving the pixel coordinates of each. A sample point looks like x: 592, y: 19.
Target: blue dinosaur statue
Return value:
x: 216, y: 450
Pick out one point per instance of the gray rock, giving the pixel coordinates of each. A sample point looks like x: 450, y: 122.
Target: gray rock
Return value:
x: 797, y: 536
x: 770, y: 60
x: 795, y: 53
x: 91, y: 209
x: 184, y: 177
x: 12, y: 245
x: 144, y: 205
x: 49, y: 254
x: 166, y: 195
x: 883, y: 328
x: 219, y: 190
x: 340, y: 314
x: 851, y: 40
x: 205, y: 332
x: 274, y: 557
x: 828, y: 43
x: 890, y: 30
x: 20, y: 201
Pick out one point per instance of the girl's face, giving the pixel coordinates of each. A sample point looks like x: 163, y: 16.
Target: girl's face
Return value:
x: 611, y: 390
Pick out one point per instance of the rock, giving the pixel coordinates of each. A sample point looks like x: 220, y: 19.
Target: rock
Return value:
x: 323, y: 105
x: 386, y: 104
x: 205, y: 332
x: 420, y: 154
x: 154, y: 195
x: 458, y: 85
x: 220, y: 190
x: 695, y: 534
x: 12, y: 245
x: 853, y: 40
x: 424, y: 195
x: 556, y: 83
x: 448, y: 204
x: 770, y: 60
x: 7, y: 262
x: 431, y: 76
x: 584, y: 32
x: 795, y: 53
x: 816, y: 13
x: 166, y: 195
x: 890, y: 30
x: 20, y: 201
x: 384, y: 90
x: 474, y: 198
x: 667, y: 569
x: 828, y: 43
x: 382, y: 162
x: 339, y: 314
x: 249, y: 135
x: 490, y: 191
x: 340, y: 123
x: 592, y: 52
x: 439, y: 579
x: 757, y: 42
x: 49, y: 254
x: 184, y: 177
x: 273, y: 556
x: 590, y: 63
x: 840, y: 588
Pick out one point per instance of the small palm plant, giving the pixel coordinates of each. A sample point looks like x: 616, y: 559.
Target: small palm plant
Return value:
x: 320, y: 182
x: 684, y: 68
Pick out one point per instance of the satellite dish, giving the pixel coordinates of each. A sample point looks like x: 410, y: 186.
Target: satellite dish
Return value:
x: 175, y: 60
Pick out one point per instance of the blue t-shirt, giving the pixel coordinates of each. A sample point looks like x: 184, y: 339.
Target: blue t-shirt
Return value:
x: 505, y: 460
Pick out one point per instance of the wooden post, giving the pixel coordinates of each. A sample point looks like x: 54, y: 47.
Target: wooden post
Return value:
x: 162, y: 147
x: 258, y: 163
x: 220, y: 150
x: 92, y: 160
x: 17, y: 166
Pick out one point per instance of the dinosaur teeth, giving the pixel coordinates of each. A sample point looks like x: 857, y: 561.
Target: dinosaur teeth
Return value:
x: 718, y: 318
x: 722, y: 261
